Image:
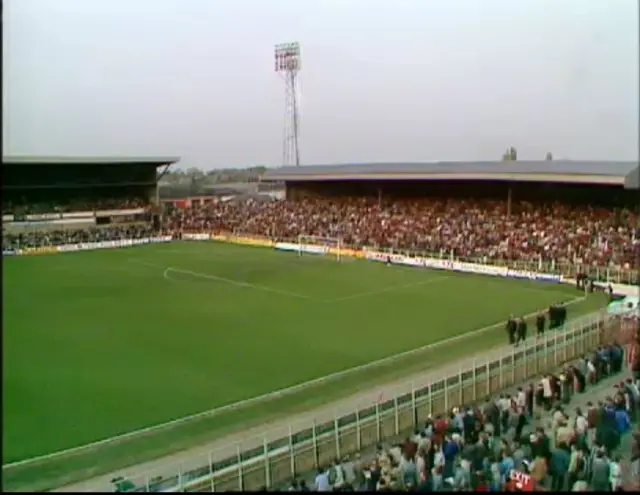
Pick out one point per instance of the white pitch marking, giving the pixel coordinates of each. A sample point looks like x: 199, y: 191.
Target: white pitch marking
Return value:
x: 388, y: 289
x: 237, y: 283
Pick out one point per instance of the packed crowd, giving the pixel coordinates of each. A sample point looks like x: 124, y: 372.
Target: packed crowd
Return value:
x: 468, y: 228
x: 36, y: 239
x: 502, y: 445
x: 25, y: 207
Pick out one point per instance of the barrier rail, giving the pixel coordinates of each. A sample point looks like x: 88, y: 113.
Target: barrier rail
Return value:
x: 279, y: 454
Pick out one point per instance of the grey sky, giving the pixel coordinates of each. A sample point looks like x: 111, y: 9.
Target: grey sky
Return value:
x: 404, y: 80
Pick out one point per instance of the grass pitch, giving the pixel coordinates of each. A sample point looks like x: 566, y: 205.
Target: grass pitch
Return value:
x: 97, y: 344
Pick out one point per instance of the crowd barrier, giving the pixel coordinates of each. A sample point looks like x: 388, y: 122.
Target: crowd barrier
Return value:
x: 278, y: 455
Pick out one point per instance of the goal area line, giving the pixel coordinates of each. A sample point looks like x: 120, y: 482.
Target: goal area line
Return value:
x: 261, y: 398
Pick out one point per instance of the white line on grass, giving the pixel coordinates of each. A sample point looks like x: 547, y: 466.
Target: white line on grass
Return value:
x: 264, y: 397
x: 237, y: 283
x: 388, y: 289
x: 167, y: 271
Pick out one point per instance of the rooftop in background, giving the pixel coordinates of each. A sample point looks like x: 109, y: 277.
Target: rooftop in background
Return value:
x: 27, y: 160
x: 586, y: 172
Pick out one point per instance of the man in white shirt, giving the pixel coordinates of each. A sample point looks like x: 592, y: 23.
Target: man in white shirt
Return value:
x: 521, y: 398
x: 322, y: 481
x: 504, y: 404
x: 546, y: 391
x: 581, y: 423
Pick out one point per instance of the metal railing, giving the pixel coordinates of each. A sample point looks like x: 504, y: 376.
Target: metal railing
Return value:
x: 276, y: 456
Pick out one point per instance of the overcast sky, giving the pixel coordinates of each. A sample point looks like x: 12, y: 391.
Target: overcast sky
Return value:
x: 403, y: 80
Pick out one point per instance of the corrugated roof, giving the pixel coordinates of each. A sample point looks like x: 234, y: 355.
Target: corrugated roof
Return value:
x: 632, y: 180
x: 552, y: 167
x: 88, y: 160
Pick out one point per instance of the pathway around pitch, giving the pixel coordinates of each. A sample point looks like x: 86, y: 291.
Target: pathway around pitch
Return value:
x: 251, y: 438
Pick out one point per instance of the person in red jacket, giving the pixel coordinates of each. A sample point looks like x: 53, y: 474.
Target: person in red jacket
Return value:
x: 520, y: 482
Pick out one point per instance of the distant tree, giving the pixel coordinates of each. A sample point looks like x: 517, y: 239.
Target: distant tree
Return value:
x: 510, y: 155
x: 195, y: 173
x: 549, y: 156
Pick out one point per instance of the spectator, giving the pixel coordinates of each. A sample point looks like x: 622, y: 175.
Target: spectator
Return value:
x: 635, y: 455
x: 322, y: 481
x: 560, y: 462
x: 466, y: 228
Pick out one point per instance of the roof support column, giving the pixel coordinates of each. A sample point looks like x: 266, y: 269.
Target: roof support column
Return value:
x: 509, y: 201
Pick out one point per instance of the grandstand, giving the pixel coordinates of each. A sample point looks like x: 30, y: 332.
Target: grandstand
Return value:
x: 531, y: 221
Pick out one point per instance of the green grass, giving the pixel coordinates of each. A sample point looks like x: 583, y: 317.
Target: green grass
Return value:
x: 99, y: 344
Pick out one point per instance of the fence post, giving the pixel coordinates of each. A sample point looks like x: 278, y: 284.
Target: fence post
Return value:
x: 525, y: 358
x: 240, y: 476
x: 474, y: 381
x: 446, y: 397
x: 358, y: 432
x: 395, y: 413
x: 265, y: 454
x: 487, y: 371
x: 414, y: 407
x: 546, y: 353
x: 430, y: 400
x: 315, y: 443
x: 336, y: 429
x: 513, y: 366
x: 180, y: 487
x: 211, y: 475
x: 500, y: 380
x: 460, y: 391
x: 556, y: 346
x: 292, y: 455
x: 377, y: 421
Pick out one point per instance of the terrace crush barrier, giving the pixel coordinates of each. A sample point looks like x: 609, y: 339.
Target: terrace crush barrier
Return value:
x: 278, y: 455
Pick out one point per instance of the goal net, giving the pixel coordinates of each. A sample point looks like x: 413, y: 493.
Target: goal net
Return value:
x: 325, y: 246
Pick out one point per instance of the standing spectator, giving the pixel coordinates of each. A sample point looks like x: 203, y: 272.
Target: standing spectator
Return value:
x: 322, y: 481
x: 615, y: 474
x: 521, y: 423
x: 600, y: 472
x: 560, y: 461
x: 577, y: 466
x: 635, y: 455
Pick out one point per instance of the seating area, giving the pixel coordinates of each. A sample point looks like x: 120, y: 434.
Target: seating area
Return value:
x: 468, y: 228
x: 19, y: 207
x: 41, y: 238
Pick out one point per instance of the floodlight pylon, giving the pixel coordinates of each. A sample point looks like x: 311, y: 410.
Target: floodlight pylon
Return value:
x: 287, y: 64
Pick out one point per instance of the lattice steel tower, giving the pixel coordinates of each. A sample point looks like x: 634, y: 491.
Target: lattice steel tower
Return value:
x: 287, y: 64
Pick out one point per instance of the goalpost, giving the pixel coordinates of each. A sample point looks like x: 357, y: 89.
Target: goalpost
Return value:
x: 326, y: 246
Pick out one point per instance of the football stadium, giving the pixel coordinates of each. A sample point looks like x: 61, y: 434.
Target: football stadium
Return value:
x: 214, y: 345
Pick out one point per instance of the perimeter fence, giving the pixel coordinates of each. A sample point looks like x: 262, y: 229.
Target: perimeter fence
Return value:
x: 279, y: 454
